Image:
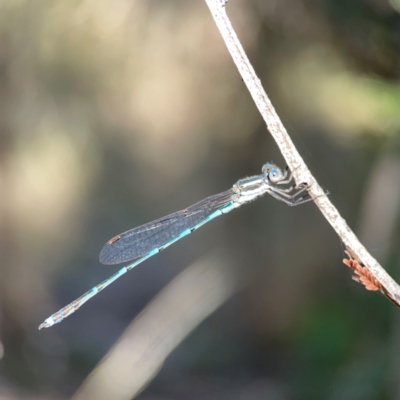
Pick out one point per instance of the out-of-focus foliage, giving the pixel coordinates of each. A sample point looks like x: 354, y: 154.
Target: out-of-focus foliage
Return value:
x: 114, y: 113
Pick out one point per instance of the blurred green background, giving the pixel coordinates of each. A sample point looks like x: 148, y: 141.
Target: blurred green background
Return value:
x: 115, y: 113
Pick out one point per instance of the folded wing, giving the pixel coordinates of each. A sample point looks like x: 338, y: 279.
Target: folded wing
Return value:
x: 139, y: 241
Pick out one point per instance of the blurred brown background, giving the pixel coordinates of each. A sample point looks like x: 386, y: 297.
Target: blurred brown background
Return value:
x: 115, y: 113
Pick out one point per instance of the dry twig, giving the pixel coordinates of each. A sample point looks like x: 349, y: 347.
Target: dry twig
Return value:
x: 294, y: 160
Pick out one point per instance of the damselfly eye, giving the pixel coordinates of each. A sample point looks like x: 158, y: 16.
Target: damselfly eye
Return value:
x: 275, y: 175
x: 267, y: 168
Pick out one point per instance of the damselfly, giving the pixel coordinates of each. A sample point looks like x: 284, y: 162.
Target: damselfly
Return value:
x: 143, y: 242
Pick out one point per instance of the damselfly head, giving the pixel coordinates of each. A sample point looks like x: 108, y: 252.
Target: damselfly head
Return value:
x: 272, y: 172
